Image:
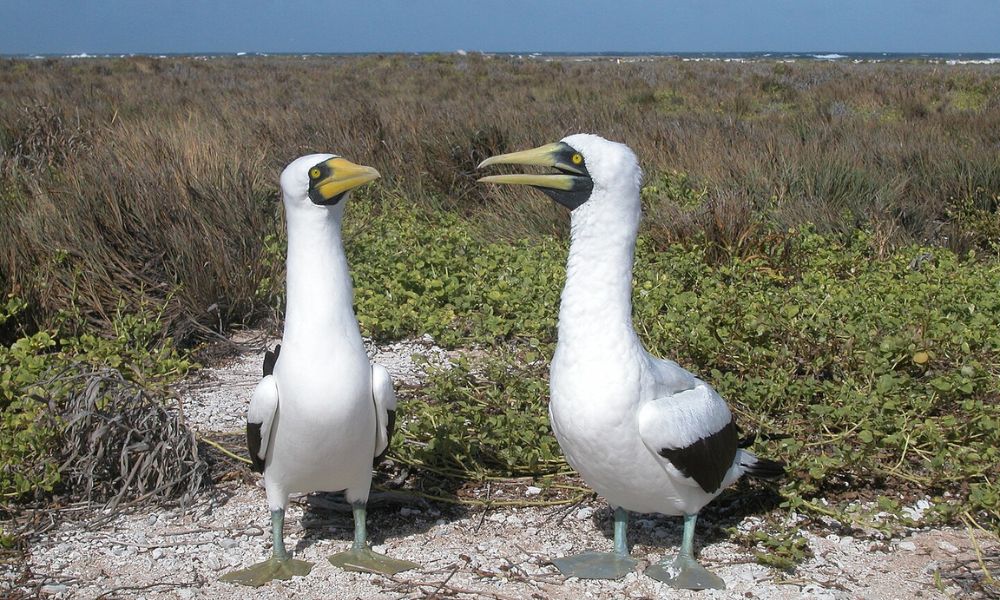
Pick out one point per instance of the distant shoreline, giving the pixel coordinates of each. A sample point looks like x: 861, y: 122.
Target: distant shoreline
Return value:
x: 951, y: 58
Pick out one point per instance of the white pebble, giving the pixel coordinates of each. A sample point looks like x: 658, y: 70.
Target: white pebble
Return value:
x: 948, y: 547
x: 532, y: 491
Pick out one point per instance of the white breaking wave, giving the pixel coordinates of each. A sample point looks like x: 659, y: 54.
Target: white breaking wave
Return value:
x: 994, y: 60
x: 829, y: 56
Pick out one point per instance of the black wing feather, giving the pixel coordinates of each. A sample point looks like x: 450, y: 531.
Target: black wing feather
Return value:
x: 390, y: 427
x: 253, y: 445
x: 708, y: 459
x: 270, y: 358
x: 253, y: 429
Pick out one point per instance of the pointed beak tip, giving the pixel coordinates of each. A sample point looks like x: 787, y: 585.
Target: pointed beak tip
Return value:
x: 485, y: 163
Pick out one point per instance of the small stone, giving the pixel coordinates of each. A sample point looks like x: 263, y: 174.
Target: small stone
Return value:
x: 186, y: 593
x: 908, y: 546
x: 211, y: 562
x: 584, y: 513
x: 228, y: 543
x: 948, y: 547
x: 532, y: 491
x: 151, y: 520
x: 932, y: 567
x: 54, y: 588
x: 496, y: 518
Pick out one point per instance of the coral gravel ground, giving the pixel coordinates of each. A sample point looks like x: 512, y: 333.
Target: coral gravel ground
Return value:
x: 500, y: 552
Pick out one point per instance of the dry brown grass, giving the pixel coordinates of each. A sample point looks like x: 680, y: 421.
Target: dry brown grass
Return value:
x: 157, y: 177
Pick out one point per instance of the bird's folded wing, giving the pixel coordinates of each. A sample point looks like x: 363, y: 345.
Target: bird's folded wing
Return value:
x: 670, y: 378
x: 694, y: 431
x: 260, y: 416
x: 385, y: 409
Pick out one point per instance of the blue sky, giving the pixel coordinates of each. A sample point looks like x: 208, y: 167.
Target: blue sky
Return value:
x: 136, y: 26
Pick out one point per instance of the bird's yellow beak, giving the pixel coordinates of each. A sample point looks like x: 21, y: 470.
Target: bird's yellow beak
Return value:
x: 332, y: 178
x: 571, y: 187
x: 558, y: 156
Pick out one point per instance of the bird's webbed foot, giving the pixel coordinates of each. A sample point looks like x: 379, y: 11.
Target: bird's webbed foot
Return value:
x: 367, y: 561
x: 269, y: 570
x: 595, y: 565
x: 685, y: 573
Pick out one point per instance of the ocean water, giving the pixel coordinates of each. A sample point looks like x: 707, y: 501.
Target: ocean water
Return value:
x: 955, y: 58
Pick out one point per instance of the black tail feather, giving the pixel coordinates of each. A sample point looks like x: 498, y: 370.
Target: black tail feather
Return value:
x: 763, y: 468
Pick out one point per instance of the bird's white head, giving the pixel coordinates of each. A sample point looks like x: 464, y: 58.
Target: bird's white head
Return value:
x: 594, y: 175
x: 319, y: 182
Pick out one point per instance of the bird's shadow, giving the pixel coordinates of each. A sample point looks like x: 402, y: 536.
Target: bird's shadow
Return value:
x: 725, y: 512
x: 391, y: 513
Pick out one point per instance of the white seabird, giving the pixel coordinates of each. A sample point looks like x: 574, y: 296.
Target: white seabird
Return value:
x: 322, y: 413
x: 642, y: 431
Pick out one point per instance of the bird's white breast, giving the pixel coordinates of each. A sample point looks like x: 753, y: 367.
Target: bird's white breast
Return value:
x: 325, y: 433
x: 593, y: 409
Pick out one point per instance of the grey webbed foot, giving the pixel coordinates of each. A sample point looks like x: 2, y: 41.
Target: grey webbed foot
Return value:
x: 595, y: 565
x: 685, y: 573
x: 269, y: 570
x: 367, y: 561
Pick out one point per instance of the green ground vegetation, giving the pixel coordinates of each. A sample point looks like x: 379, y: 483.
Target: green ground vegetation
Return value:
x: 820, y: 244
x: 878, y: 374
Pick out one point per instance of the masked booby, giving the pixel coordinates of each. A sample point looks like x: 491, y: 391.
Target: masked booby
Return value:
x: 322, y: 413
x: 642, y: 431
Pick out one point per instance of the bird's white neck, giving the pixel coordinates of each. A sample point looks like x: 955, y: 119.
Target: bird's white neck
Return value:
x: 320, y: 294
x: 596, y: 307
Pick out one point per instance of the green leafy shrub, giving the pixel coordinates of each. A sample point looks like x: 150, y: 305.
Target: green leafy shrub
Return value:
x: 878, y: 373
x: 482, y: 418
x: 417, y: 273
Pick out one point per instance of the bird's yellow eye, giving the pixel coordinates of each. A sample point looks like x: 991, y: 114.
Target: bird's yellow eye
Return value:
x: 314, y: 173
x: 577, y: 158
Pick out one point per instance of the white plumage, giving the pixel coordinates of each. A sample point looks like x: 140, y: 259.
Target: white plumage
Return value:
x: 642, y: 431
x: 323, y: 435
x: 318, y: 421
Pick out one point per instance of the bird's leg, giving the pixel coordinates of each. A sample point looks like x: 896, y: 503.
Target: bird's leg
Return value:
x: 361, y: 558
x: 280, y: 566
x: 278, y: 535
x: 684, y: 572
x: 601, y: 565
